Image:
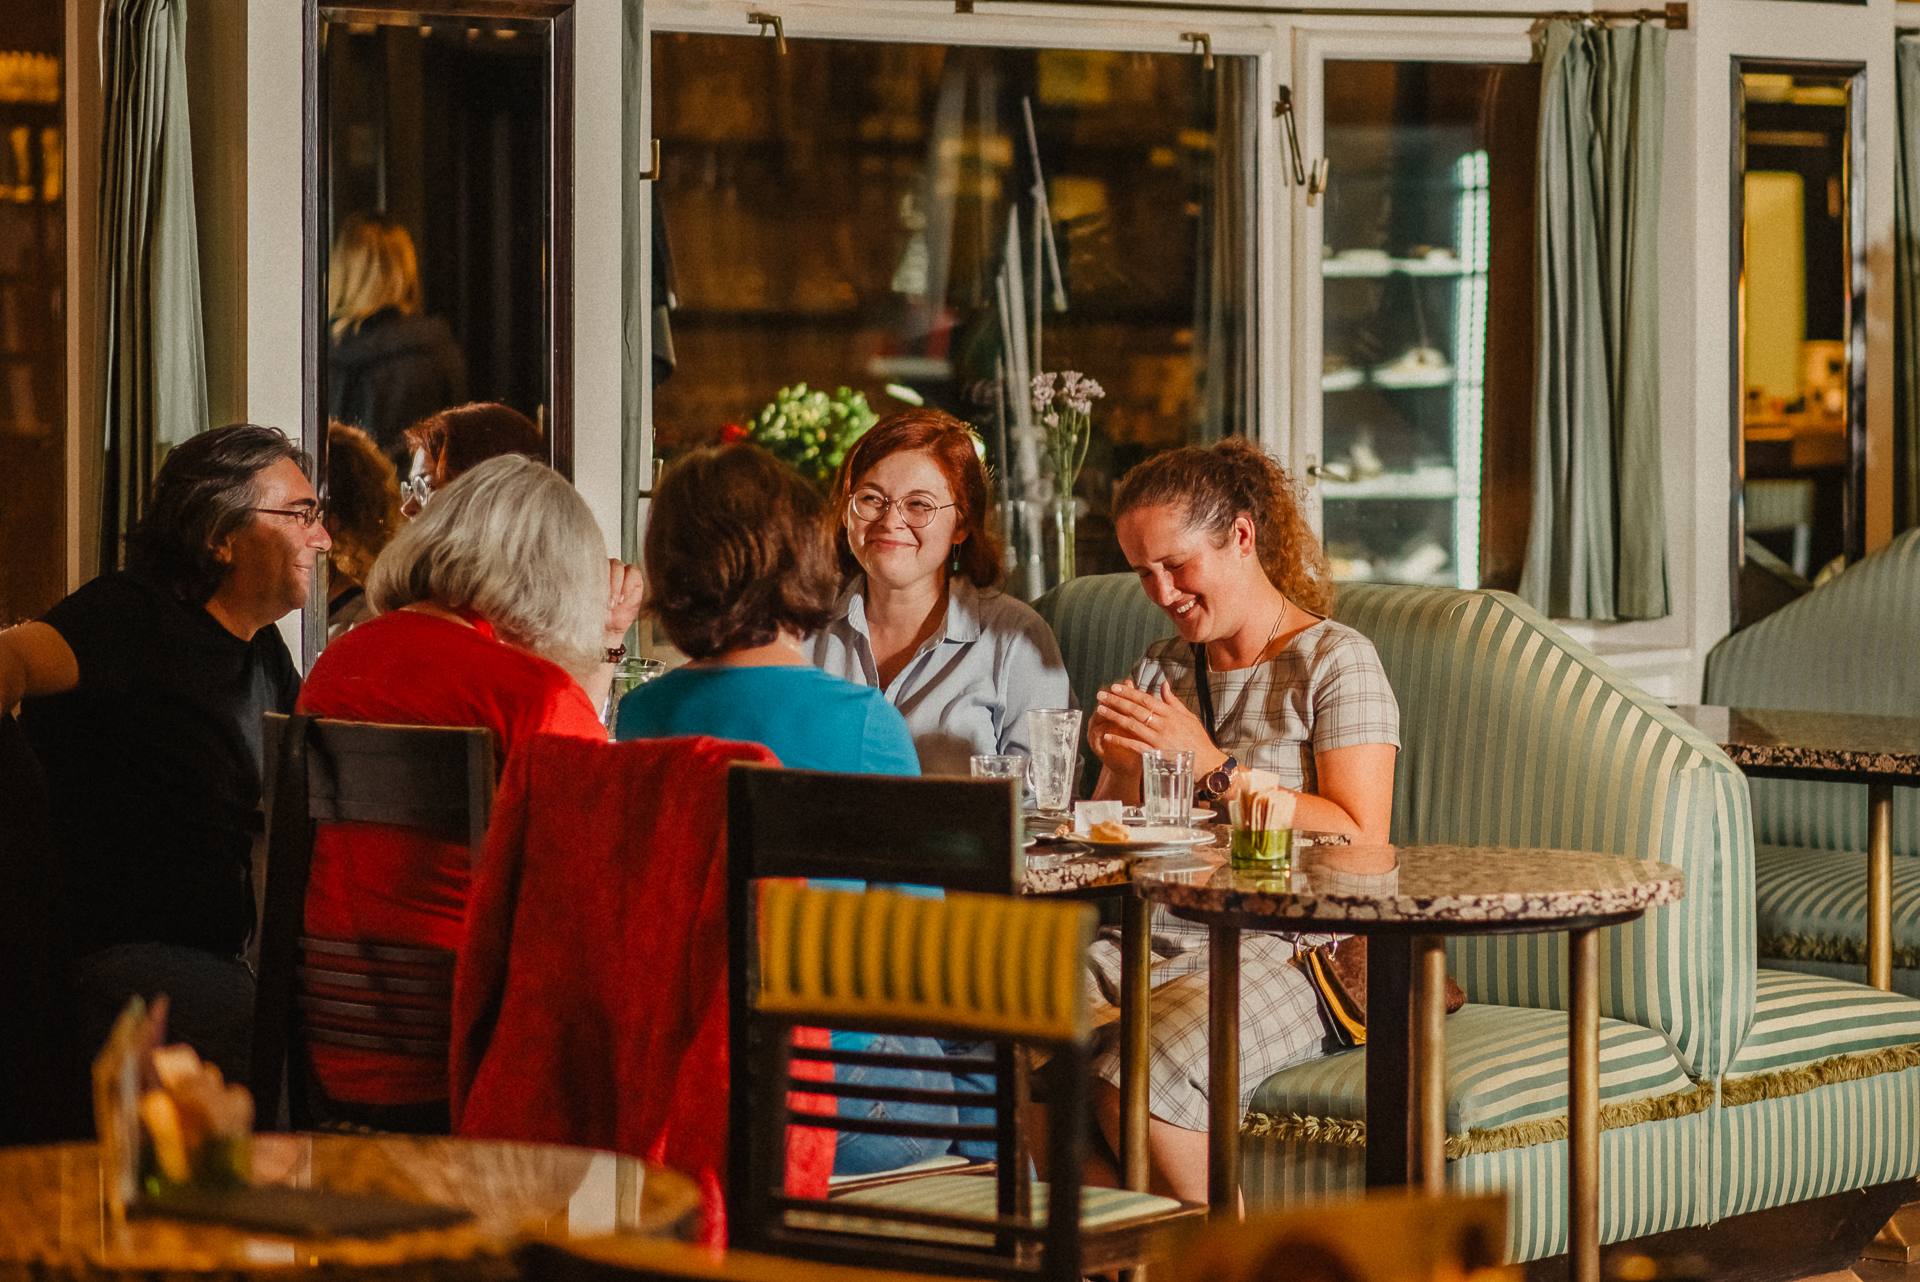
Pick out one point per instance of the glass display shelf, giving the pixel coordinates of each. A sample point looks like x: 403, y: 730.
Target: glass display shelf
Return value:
x: 1373, y: 269
x: 1422, y: 483
x: 1404, y: 321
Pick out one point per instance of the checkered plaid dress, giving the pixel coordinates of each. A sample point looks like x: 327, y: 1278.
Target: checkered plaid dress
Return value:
x: 1325, y: 690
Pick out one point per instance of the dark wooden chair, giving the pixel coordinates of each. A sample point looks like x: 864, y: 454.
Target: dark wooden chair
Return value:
x: 988, y: 968
x: 360, y: 993
x: 957, y: 834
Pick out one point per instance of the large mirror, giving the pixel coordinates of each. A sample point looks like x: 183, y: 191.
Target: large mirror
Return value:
x: 1799, y: 451
x: 437, y: 251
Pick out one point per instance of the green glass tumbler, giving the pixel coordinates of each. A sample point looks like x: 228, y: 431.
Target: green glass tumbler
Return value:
x: 1258, y: 850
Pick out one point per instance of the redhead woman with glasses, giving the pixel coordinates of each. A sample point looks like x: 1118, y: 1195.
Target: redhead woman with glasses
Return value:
x: 920, y: 615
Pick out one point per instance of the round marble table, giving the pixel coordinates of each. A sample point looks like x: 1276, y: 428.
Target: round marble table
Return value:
x: 1410, y: 898
x: 54, y: 1221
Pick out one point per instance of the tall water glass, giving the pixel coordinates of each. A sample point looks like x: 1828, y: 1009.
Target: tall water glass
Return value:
x: 1000, y: 765
x: 1166, y: 785
x: 628, y: 675
x: 1053, y: 738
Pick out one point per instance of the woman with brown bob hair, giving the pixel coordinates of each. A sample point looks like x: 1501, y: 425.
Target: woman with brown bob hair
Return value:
x: 1218, y: 540
x: 920, y: 615
x: 740, y: 572
x: 448, y: 443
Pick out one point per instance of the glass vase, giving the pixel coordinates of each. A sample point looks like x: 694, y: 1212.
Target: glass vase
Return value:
x: 1063, y: 550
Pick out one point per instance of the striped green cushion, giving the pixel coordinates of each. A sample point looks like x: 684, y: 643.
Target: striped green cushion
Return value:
x: 1516, y: 735
x: 1802, y: 1019
x: 1813, y: 906
x: 1506, y: 1066
x: 1852, y: 645
x: 975, y: 1197
x: 1653, y: 1177
x: 1846, y: 1135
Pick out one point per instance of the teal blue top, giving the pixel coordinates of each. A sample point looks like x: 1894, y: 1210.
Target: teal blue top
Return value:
x: 810, y: 720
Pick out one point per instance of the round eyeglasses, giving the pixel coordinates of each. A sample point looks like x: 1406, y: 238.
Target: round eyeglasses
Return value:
x: 305, y: 515
x: 916, y: 510
x: 418, y: 489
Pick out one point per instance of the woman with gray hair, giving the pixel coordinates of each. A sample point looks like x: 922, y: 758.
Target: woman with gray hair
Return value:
x: 492, y: 609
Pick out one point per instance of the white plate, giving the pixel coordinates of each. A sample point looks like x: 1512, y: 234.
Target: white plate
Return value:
x: 1133, y: 816
x: 1150, y: 837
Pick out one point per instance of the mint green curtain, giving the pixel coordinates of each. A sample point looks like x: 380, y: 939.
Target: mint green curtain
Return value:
x: 1906, y: 288
x: 1597, y: 548
x: 152, y: 348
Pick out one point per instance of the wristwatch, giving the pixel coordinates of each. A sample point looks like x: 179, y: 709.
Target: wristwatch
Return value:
x: 1218, y: 780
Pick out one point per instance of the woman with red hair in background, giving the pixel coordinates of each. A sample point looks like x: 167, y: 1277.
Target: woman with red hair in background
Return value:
x: 921, y: 616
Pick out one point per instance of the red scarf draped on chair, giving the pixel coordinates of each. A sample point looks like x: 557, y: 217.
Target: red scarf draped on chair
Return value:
x: 590, y: 1002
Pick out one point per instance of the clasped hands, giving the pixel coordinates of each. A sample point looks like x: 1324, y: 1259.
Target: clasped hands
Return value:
x: 1129, y: 721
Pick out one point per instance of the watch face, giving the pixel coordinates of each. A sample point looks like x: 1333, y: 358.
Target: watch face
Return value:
x: 1220, y: 779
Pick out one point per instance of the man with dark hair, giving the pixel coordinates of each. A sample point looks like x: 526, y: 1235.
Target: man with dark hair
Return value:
x: 142, y: 694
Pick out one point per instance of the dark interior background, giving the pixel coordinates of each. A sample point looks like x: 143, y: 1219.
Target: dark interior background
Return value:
x: 445, y: 128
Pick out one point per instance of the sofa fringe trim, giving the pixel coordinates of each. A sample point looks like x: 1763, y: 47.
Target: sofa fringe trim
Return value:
x: 1782, y: 1083
x: 1830, y: 949
x: 1352, y: 1133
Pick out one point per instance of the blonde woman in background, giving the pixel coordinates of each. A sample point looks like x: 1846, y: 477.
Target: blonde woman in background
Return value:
x: 363, y: 515
x: 389, y: 366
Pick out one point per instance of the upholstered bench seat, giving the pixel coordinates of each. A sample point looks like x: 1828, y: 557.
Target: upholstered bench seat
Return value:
x: 1512, y: 734
x: 1305, y: 1134
x: 1829, y: 1068
x: 1506, y: 1081
x: 1811, y: 907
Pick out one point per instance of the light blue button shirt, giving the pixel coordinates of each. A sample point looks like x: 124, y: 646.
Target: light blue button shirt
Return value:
x: 968, y: 688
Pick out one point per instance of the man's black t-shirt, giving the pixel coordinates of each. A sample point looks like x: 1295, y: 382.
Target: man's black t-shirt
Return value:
x: 153, y: 764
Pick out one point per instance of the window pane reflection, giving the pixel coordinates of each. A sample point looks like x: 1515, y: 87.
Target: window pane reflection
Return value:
x: 862, y: 214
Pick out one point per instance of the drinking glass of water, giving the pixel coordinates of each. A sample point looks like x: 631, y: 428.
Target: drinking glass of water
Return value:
x: 1053, y: 737
x: 628, y: 674
x: 1166, y: 785
x: 1000, y: 765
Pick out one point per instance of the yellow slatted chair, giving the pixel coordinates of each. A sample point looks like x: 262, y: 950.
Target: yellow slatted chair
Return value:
x: 982, y: 967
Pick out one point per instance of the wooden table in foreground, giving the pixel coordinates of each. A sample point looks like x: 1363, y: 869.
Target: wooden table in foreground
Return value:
x: 1831, y: 747
x: 1409, y: 898
x: 54, y: 1222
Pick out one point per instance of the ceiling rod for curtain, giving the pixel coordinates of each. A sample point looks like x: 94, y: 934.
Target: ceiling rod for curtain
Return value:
x: 1674, y: 15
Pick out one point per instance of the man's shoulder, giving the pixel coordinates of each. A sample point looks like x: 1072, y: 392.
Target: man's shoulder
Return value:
x: 116, y: 597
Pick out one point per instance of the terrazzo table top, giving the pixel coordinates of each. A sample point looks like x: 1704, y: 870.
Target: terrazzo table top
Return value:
x: 1427, y: 889
x: 1097, y: 871
x: 54, y: 1223
x: 1835, y: 747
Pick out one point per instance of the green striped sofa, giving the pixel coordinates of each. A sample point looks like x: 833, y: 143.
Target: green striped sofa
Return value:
x: 1724, y: 1089
x: 1852, y: 645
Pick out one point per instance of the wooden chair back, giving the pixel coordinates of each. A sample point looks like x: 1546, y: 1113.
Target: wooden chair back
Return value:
x: 357, y: 993
x: 988, y: 968
x: 957, y: 834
